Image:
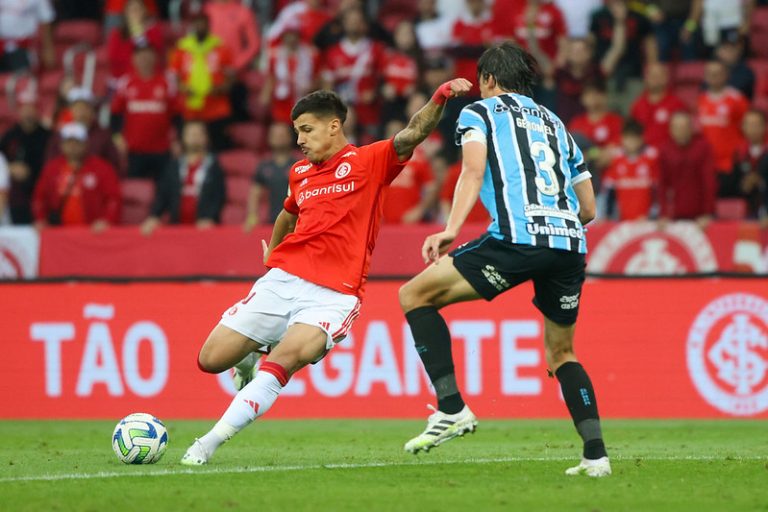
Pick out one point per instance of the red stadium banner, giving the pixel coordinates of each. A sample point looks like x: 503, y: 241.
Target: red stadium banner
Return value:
x: 654, y: 348
x: 630, y: 248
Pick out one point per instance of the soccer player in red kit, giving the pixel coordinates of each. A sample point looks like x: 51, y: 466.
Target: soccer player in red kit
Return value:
x: 318, y: 258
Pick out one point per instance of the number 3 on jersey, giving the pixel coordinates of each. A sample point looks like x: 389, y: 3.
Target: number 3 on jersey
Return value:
x: 545, y: 162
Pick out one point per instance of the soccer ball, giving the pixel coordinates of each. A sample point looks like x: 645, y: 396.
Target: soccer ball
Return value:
x: 140, y: 438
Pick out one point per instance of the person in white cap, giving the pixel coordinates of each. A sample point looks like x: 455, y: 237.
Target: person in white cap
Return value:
x: 76, y: 188
x: 82, y: 105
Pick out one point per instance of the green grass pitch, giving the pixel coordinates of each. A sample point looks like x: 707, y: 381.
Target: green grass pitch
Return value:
x: 360, y: 465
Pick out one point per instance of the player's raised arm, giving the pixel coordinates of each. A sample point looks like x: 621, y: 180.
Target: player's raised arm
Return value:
x: 284, y: 223
x: 425, y: 120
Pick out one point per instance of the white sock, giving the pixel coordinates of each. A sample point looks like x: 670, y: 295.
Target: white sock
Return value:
x: 251, y: 402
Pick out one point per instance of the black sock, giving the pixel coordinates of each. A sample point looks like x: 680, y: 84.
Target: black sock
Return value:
x: 580, y: 398
x: 433, y: 344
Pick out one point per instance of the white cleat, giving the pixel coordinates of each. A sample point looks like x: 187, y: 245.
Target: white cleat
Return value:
x: 591, y: 467
x: 442, y: 427
x: 196, y: 455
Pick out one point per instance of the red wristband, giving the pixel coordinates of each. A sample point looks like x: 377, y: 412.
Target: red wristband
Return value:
x: 442, y: 94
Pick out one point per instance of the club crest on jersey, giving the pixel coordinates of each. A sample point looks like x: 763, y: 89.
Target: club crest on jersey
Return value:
x: 343, y: 170
x: 302, y: 168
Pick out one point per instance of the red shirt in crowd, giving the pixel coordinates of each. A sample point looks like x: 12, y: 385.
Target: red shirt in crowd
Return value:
x: 634, y: 179
x: 81, y: 196
x: 190, y: 191
x: 147, y: 107
x: 406, y: 191
x: 400, y: 72
x: 339, y: 204
x: 655, y: 116
x: 353, y: 69
x: 477, y: 33
x: 117, y: 6
x: 602, y: 132
x: 549, y: 27
x: 120, y: 49
x: 293, y: 74
x: 720, y: 120
x: 687, y: 179
x: 477, y: 214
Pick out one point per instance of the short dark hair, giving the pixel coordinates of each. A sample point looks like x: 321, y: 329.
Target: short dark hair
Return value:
x: 322, y: 104
x: 513, y: 68
x: 632, y: 127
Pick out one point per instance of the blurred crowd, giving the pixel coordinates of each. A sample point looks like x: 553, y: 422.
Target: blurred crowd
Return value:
x: 150, y: 112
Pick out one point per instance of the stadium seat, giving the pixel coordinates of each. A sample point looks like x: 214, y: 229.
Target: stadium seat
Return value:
x: 69, y: 32
x: 689, y: 73
x: 251, y: 136
x: 689, y: 94
x: 238, y: 189
x: 759, y: 21
x: 233, y: 214
x: 137, y: 199
x: 731, y: 209
x: 50, y: 82
x: 254, y: 81
x: 238, y: 162
x: 758, y: 42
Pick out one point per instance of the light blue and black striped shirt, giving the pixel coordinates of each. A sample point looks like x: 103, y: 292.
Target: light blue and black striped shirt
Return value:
x: 533, y: 164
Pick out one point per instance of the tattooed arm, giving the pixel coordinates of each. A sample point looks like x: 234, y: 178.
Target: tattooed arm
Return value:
x: 425, y: 120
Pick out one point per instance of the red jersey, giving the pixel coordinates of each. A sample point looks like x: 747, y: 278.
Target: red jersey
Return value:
x: 478, y: 213
x: 477, y: 33
x: 655, y: 116
x: 120, y: 49
x: 147, y: 107
x: 549, y: 27
x: 633, y: 178
x: 353, y: 69
x: 339, y: 206
x: 401, y: 72
x: 720, y: 120
x: 601, y: 132
x: 294, y: 74
x: 406, y: 190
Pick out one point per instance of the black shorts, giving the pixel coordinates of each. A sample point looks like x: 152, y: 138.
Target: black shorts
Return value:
x: 494, y: 266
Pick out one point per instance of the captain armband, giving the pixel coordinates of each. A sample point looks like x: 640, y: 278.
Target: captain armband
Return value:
x: 473, y: 136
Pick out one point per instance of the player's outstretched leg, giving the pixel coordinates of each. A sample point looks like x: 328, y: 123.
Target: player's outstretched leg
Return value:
x: 579, y: 397
x: 420, y: 298
x: 301, y: 345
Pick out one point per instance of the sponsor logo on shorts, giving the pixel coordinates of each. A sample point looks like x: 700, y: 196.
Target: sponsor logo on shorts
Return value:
x: 343, y: 170
x: 552, y: 230
x: 727, y: 354
x: 302, y: 168
x: 336, y: 188
x: 569, y: 301
x: 493, y: 277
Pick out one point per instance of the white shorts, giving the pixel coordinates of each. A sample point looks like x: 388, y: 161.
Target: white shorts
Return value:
x: 279, y: 300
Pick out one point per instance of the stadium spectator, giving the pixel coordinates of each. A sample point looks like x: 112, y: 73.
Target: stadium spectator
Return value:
x: 724, y: 19
x: 750, y: 164
x: 740, y: 76
x: 5, y: 187
x: 114, y: 10
x: 191, y: 190
x: 472, y: 32
x: 24, y: 146
x: 687, y: 175
x: 675, y: 25
x: 203, y: 66
x: 655, y: 106
x: 309, y: 15
x: 639, y: 47
x: 335, y: 29
x: 271, y: 179
x: 76, y: 188
x: 598, y: 125
x: 291, y: 73
x: 540, y: 25
x: 236, y: 25
x: 413, y: 192
x: 142, y: 112
x: 720, y: 109
x: 577, y: 15
x: 401, y: 71
x: 632, y: 175
x: 136, y: 28
x: 21, y: 23
x: 352, y: 68
x: 83, y: 110
x: 433, y: 30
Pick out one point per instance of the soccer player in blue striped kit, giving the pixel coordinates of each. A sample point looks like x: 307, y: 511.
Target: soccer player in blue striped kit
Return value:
x: 531, y: 177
